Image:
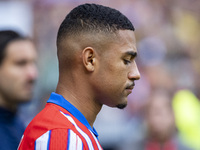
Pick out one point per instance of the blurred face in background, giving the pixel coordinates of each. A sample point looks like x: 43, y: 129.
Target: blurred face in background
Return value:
x: 160, y: 117
x: 18, y: 73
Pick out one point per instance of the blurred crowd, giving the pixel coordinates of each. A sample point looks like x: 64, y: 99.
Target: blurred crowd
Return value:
x: 168, y: 37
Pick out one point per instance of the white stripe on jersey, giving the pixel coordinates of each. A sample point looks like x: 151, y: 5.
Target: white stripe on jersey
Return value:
x: 20, y: 141
x: 98, y: 144
x: 74, y: 142
x: 42, y: 143
x: 89, y: 142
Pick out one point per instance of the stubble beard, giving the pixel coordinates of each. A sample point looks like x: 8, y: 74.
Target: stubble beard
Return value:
x: 121, y: 106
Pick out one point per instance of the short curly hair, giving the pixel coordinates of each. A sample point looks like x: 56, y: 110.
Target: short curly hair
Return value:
x: 93, y: 18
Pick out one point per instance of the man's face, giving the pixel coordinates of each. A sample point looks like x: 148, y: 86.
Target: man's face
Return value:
x: 117, y: 70
x: 160, y: 118
x: 18, y: 72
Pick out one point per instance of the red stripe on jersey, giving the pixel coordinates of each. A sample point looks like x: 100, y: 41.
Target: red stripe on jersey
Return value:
x: 58, y: 139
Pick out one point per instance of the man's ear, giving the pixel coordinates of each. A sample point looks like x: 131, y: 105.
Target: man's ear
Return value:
x: 89, y: 60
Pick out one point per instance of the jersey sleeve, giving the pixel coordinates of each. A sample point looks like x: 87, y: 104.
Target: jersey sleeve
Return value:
x: 56, y: 139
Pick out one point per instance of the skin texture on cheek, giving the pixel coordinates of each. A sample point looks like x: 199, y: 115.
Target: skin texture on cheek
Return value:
x: 111, y: 90
x: 13, y: 84
x: 114, y: 72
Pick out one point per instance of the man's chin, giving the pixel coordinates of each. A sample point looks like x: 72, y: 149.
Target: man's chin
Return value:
x: 25, y: 98
x: 121, y: 106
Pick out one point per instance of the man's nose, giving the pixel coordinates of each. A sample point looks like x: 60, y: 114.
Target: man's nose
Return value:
x: 32, y: 72
x: 134, y: 74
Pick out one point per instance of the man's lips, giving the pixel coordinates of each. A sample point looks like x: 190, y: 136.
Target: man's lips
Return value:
x: 130, y: 87
x: 29, y: 85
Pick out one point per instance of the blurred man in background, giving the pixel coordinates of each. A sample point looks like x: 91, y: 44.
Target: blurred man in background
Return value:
x: 18, y: 73
x: 158, y: 129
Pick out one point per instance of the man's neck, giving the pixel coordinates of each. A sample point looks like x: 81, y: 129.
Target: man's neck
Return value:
x: 82, y: 101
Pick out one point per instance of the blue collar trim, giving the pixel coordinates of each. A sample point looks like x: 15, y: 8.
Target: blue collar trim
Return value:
x: 61, y: 101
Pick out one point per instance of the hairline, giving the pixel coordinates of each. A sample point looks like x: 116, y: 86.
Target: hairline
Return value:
x: 93, y: 35
x: 5, y: 49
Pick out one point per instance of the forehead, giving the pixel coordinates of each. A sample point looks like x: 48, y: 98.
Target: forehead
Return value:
x: 124, y: 42
x: 127, y: 36
x: 20, y: 49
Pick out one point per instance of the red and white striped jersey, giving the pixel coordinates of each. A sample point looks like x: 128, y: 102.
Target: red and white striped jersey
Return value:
x: 59, y: 126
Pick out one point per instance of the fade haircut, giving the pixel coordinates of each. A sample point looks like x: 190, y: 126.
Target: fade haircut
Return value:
x: 92, y: 18
x: 6, y: 37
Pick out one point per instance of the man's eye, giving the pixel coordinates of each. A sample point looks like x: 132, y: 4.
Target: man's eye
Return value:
x: 21, y: 63
x: 126, y: 61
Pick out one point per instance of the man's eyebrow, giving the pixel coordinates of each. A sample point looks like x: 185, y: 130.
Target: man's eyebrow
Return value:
x: 133, y: 54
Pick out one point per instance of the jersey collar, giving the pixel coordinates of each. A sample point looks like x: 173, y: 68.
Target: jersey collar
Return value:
x: 61, y: 101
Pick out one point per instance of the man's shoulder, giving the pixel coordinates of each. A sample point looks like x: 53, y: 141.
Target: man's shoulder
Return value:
x: 49, y: 118
x: 56, y: 125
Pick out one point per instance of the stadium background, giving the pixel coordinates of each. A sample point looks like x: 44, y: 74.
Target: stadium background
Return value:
x: 168, y: 37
